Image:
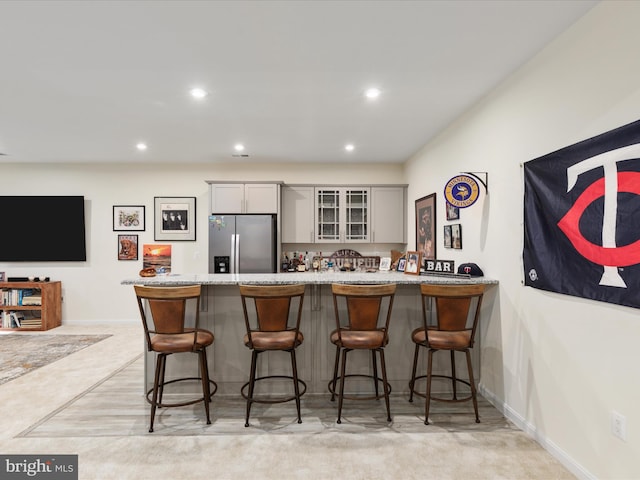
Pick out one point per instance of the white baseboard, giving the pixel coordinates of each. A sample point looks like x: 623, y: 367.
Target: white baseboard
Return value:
x: 519, y: 421
x: 86, y: 323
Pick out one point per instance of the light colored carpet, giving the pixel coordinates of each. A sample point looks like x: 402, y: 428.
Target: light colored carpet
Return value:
x: 90, y: 404
x: 21, y: 353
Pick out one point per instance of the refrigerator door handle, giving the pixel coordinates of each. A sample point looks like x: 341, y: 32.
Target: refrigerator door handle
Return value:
x: 233, y: 259
x: 237, y: 253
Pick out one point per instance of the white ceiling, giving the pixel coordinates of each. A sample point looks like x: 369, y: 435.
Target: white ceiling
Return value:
x: 84, y: 81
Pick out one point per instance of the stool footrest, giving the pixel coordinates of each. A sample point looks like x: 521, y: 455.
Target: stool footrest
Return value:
x: 332, y: 386
x: 273, y: 399
x: 440, y: 399
x: 187, y: 402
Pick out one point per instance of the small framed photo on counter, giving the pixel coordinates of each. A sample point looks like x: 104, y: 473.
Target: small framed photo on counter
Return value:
x: 402, y: 263
x: 414, y: 260
x: 385, y: 264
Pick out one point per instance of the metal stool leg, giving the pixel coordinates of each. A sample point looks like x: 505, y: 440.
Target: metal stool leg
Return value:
x: 428, y: 399
x: 296, y: 388
x: 412, y: 382
x: 342, y: 380
x: 472, y: 384
x: 385, y: 383
x: 252, y: 381
x: 204, y: 375
x: 375, y: 371
x: 335, y: 373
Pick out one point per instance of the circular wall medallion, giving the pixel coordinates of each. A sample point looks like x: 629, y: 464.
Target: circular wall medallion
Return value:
x: 462, y: 191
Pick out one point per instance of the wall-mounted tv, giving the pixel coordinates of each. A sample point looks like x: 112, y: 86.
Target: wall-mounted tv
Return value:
x: 42, y: 229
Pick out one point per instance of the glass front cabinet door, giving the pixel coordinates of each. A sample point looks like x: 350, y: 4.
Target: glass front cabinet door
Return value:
x: 342, y: 214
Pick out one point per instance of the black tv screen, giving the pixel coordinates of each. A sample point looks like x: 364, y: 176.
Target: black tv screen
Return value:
x: 42, y: 229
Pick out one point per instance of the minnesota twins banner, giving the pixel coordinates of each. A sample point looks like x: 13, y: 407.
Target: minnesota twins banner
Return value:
x: 582, y: 219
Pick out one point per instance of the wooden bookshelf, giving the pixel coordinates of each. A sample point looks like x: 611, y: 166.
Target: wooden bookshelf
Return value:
x: 41, y: 317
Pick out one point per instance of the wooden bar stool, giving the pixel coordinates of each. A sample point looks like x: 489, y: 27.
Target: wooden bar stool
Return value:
x: 272, y: 325
x: 166, y: 333
x: 364, y: 327
x: 454, y: 312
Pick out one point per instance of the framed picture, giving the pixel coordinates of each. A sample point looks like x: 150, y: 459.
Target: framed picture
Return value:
x: 385, y: 264
x: 402, y: 264
x: 453, y: 212
x: 3, y: 277
x: 127, y: 247
x: 447, y: 236
x: 128, y: 217
x: 456, y: 236
x: 158, y: 257
x: 426, y: 226
x: 175, y: 218
x: 413, y: 262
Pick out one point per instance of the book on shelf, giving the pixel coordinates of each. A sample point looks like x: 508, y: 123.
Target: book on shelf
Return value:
x: 21, y: 296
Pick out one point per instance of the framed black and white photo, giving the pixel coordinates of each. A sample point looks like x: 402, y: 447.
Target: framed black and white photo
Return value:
x: 447, y: 236
x: 453, y: 212
x: 175, y: 218
x: 456, y: 236
x: 128, y: 218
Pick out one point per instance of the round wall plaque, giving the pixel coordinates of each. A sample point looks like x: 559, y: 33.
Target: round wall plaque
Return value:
x: 462, y: 191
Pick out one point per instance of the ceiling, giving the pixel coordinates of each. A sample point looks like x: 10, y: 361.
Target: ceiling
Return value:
x: 85, y: 81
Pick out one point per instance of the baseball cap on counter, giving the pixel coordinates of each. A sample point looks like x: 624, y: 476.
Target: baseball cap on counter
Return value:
x: 471, y: 269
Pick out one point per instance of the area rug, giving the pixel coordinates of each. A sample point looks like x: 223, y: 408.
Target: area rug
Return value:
x: 20, y: 354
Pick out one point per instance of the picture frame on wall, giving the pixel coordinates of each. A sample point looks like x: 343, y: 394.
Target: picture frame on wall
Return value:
x: 412, y: 265
x: 128, y: 218
x: 456, y: 236
x: 175, y: 218
x: 426, y: 227
x: 447, y: 236
x: 453, y: 212
x: 3, y: 277
x: 127, y: 247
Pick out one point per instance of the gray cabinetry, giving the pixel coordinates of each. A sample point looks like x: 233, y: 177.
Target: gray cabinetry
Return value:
x: 297, y: 214
x: 232, y: 197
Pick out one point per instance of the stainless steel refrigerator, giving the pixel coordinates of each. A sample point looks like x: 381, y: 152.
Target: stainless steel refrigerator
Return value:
x: 242, y: 244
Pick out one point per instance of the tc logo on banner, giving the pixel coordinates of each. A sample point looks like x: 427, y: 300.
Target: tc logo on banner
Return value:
x: 582, y: 219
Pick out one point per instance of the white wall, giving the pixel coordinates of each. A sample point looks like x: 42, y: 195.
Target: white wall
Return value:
x: 557, y: 364
x: 91, y: 290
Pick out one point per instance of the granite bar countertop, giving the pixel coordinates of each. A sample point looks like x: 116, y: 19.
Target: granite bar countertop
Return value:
x: 318, y: 278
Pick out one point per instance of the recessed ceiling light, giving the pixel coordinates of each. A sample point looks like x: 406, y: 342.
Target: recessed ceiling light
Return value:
x: 141, y: 146
x: 349, y: 147
x: 372, y: 93
x: 238, y: 147
x: 198, y: 93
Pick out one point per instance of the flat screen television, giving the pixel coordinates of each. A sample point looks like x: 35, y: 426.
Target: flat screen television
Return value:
x: 42, y: 229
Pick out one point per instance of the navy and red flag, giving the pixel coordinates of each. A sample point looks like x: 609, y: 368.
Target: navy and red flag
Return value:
x: 582, y: 219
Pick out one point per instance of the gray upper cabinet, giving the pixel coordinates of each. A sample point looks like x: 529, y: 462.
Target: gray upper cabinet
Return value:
x: 388, y: 214
x: 342, y: 214
x: 244, y: 197
x: 297, y: 214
